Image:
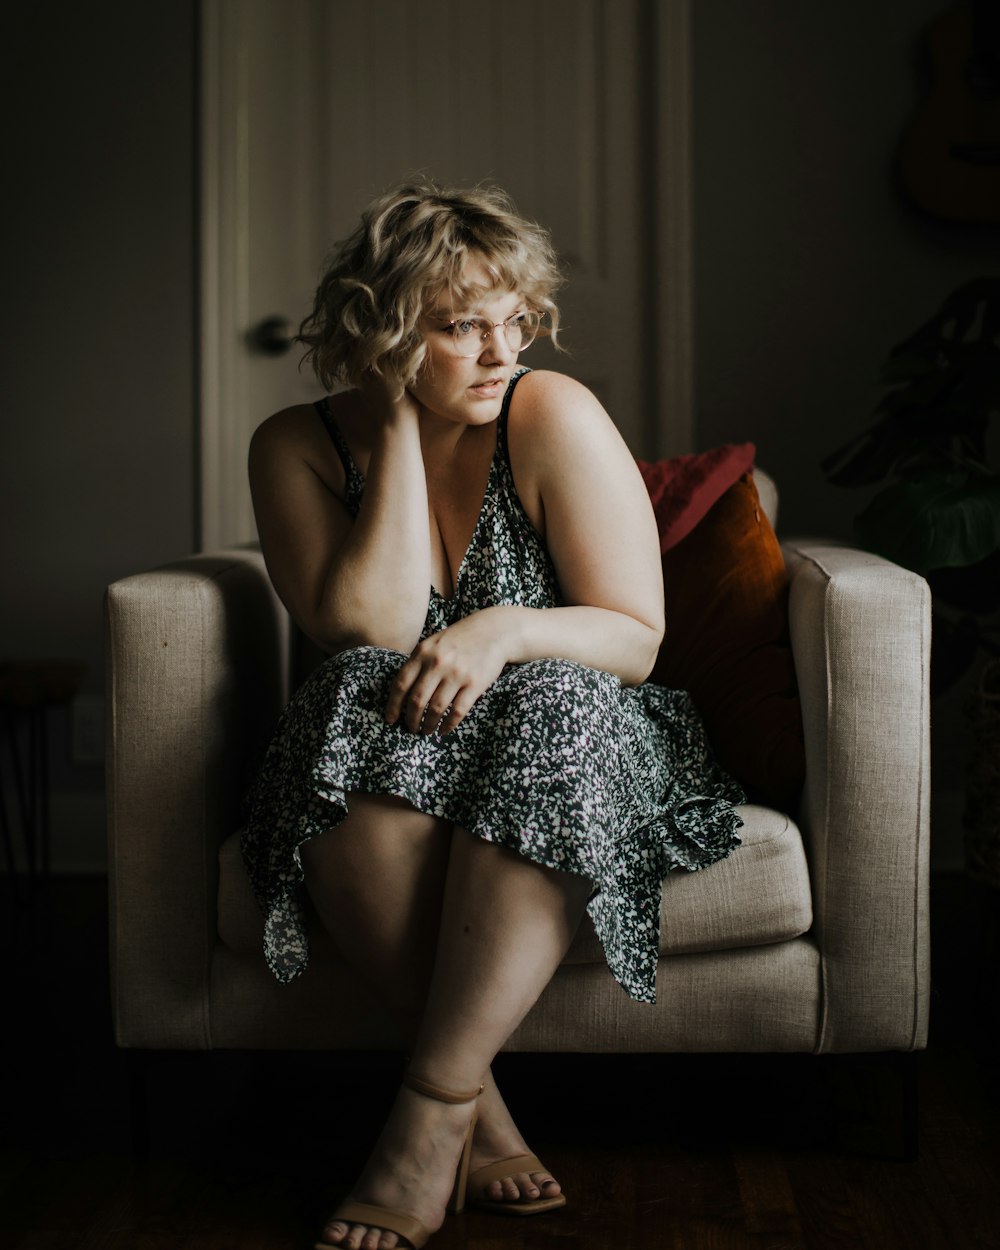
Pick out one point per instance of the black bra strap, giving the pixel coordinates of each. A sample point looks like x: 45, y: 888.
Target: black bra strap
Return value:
x: 502, y: 423
x: 352, y: 474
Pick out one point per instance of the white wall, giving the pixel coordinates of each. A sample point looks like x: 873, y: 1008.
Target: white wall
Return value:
x: 97, y: 434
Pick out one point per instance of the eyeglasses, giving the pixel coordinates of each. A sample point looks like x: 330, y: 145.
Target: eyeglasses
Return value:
x: 469, y: 335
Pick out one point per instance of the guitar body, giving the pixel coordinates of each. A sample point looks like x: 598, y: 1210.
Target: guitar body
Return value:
x: 949, y: 158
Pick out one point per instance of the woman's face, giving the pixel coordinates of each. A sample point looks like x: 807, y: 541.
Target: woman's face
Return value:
x: 467, y: 389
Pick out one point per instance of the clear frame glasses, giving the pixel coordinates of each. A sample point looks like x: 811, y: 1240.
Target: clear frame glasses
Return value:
x: 469, y: 335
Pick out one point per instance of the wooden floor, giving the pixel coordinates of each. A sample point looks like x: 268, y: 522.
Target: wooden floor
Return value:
x: 694, y: 1152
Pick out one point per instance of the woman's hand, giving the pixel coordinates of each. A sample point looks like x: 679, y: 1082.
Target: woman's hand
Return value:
x: 447, y: 672
x: 378, y: 393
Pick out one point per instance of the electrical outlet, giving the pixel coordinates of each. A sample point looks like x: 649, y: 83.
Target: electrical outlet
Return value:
x: 87, y: 744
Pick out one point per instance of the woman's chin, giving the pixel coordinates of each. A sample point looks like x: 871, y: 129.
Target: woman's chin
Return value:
x: 470, y: 412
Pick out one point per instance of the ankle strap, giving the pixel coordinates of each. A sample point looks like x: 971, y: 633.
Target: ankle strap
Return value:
x: 433, y: 1091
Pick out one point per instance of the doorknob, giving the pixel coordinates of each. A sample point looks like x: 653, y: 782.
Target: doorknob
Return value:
x: 273, y: 336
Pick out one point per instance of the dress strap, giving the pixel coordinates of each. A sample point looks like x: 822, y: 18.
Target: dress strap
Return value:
x: 352, y: 474
x: 502, y: 447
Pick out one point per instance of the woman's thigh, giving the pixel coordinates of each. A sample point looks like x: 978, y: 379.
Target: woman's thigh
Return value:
x: 385, y: 853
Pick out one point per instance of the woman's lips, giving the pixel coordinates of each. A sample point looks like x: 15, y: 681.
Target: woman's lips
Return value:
x: 488, y: 389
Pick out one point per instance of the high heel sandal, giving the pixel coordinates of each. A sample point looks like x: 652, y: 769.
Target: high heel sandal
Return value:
x: 481, y: 1178
x: 407, y: 1226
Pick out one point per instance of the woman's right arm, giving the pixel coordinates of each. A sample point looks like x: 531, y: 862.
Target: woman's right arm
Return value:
x: 345, y: 583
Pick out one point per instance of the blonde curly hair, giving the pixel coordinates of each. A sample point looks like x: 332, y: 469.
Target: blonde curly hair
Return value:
x: 411, y: 246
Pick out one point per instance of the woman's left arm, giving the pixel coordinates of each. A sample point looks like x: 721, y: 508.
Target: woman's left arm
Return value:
x: 580, y: 483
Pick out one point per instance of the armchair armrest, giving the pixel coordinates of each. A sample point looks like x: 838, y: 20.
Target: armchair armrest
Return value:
x: 860, y: 630
x: 196, y: 675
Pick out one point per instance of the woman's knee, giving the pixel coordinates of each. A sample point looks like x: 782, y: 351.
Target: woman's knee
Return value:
x: 389, y: 812
x: 376, y: 828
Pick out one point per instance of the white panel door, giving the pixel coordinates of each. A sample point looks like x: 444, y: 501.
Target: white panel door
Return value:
x: 313, y: 107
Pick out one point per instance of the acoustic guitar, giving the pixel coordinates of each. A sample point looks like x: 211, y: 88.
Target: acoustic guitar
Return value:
x: 949, y: 158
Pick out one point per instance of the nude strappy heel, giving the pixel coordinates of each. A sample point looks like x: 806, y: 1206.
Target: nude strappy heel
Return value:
x: 407, y: 1226
x: 481, y: 1178
x: 457, y: 1201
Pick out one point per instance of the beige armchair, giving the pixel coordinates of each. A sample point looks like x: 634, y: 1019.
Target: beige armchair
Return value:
x: 812, y: 937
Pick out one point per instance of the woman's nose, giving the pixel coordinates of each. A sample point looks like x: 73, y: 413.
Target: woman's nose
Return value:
x: 496, y: 349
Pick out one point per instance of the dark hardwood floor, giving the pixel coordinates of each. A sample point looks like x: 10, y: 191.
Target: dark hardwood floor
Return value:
x: 686, y: 1152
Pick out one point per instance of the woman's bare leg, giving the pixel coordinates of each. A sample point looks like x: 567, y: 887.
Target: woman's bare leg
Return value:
x: 377, y: 883
x: 505, y: 925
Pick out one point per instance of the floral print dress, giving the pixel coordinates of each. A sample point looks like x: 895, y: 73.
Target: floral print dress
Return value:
x: 555, y: 761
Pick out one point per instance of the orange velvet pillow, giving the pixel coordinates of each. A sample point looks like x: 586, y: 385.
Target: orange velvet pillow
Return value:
x: 727, y: 643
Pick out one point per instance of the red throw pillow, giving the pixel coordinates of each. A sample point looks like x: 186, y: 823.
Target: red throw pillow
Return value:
x: 683, y: 488
x: 727, y: 638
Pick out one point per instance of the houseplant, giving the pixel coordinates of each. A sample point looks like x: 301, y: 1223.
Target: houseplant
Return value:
x: 938, y: 513
x: 930, y: 443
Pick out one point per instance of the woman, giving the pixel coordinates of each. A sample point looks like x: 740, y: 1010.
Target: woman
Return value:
x: 478, y: 760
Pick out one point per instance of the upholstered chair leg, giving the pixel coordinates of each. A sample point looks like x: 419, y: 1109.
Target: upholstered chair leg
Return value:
x: 137, y: 1068
x: 877, y: 1104
x: 907, y: 1064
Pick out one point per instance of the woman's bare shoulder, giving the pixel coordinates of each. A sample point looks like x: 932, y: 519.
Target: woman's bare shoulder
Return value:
x: 296, y: 437
x: 288, y: 428
x: 552, y: 391
x: 548, y: 409
x: 558, y: 434
x: 302, y: 423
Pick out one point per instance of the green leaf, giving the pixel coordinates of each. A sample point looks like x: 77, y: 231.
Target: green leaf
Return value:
x: 939, y: 519
x: 904, y: 366
x: 943, y: 389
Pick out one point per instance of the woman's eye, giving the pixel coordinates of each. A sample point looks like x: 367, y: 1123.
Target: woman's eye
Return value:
x: 463, y: 327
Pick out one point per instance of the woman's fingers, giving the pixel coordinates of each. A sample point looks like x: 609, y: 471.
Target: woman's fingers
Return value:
x: 461, y: 706
x: 419, y: 697
x: 394, y: 704
x: 401, y: 689
x: 426, y: 702
x: 430, y: 715
x: 434, y: 690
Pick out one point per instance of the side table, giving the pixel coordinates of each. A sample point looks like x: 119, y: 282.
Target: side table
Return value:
x: 28, y: 689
